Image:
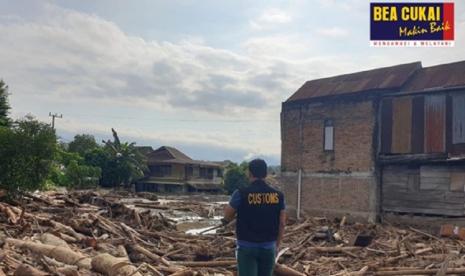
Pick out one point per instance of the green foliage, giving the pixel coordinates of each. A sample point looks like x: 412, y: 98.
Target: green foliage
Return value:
x: 71, y: 171
x: 27, y: 150
x: 4, y: 106
x: 121, y: 163
x: 82, y: 176
x: 236, y: 177
x: 82, y: 144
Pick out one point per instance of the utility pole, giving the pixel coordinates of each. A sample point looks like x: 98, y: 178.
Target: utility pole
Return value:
x: 53, y: 118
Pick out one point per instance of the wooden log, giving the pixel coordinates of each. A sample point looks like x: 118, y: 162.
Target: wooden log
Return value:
x: 423, y: 250
x: 183, y: 273
x: 153, y: 269
x: 283, y: 270
x: 68, y: 271
x: 59, y: 253
x: 425, y: 234
x: 59, y: 267
x: 153, y: 205
x: 206, y: 264
x: 137, y: 218
x: 121, y: 251
x: 67, y: 238
x: 107, y: 225
x: 37, y: 198
x: 168, y: 269
x: 159, y: 235
x: 112, y: 266
x: 67, y: 229
x: 12, y: 217
x: 420, y: 272
x: 394, y: 259
x: 150, y: 255
x: 335, y: 249
x: 50, y: 239
x: 27, y: 270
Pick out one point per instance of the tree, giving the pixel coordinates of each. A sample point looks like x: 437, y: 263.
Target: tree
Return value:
x: 27, y: 150
x: 82, y: 176
x: 4, y: 105
x: 235, y: 177
x: 82, y: 144
x: 121, y: 163
x: 70, y: 170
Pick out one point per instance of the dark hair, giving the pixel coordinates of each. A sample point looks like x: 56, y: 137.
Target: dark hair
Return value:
x: 258, y: 168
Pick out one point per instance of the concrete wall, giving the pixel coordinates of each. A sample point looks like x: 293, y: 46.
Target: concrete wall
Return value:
x: 334, y: 183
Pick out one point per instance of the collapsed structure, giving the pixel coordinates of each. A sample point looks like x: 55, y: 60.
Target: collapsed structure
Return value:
x: 385, y: 140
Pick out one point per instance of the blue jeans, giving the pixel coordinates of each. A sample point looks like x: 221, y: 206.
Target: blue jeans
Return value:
x: 253, y: 261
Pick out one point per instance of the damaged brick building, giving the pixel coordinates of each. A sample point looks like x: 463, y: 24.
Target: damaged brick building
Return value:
x: 388, y: 140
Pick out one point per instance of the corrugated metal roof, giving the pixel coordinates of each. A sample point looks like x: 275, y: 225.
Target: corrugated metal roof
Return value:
x: 168, y: 153
x: 172, y: 155
x: 436, y: 77
x: 387, y: 78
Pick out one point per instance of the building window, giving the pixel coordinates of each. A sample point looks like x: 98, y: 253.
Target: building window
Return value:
x: 203, y: 172
x: 328, y: 138
x: 210, y: 173
x: 162, y: 170
x: 189, y: 171
x: 220, y: 173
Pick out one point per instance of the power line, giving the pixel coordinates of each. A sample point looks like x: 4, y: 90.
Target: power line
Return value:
x: 55, y: 115
x: 177, y: 120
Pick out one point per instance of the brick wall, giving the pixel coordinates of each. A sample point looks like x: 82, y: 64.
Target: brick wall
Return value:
x: 337, y: 183
x: 353, y: 133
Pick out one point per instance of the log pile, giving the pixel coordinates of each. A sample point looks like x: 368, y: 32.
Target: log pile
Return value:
x: 88, y: 233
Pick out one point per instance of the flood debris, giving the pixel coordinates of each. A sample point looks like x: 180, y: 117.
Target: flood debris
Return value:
x: 93, y: 233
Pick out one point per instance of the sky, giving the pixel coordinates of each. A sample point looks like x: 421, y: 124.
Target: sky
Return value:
x: 207, y: 77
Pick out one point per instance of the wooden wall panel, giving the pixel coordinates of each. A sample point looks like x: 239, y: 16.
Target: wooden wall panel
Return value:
x: 435, y: 121
x: 434, y: 196
x: 386, y: 125
x: 457, y: 181
x: 418, y: 124
x: 401, y: 125
x: 434, y: 178
x: 458, y: 119
x: 449, y: 147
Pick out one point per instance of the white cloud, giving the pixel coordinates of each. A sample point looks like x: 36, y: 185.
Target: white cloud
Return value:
x: 63, y: 59
x: 333, y: 32
x: 74, y: 55
x: 345, y: 5
x: 233, y: 141
x: 269, y: 18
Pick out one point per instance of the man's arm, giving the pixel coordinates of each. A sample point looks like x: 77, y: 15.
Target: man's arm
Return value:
x: 282, y: 225
x: 230, y: 209
x: 229, y: 213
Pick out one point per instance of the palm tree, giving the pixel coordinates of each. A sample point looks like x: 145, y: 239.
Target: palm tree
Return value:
x: 130, y: 163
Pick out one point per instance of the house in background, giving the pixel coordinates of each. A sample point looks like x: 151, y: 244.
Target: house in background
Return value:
x: 170, y: 170
x: 388, y: 140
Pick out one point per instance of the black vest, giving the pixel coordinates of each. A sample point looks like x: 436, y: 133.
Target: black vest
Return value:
x: 258, y: 213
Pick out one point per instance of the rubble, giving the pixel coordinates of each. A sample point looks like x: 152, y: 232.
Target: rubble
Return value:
x: 90, y: 233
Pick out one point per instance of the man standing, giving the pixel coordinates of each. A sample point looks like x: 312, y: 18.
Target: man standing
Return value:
x: 260, y: 222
